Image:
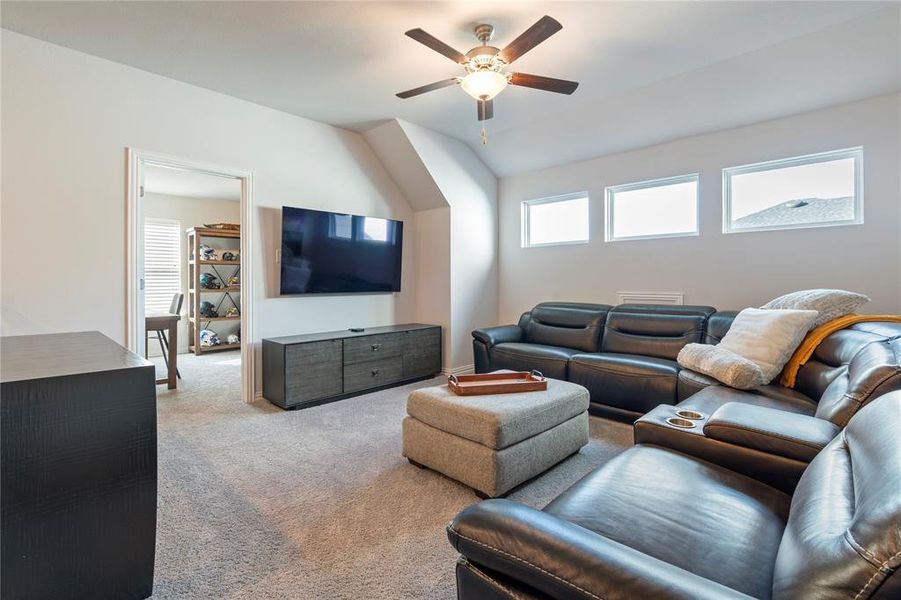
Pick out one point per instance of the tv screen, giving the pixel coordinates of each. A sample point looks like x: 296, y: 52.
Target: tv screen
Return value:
x: 331, y: 253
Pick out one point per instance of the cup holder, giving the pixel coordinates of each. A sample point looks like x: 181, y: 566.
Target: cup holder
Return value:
x: 691, y: 415
x: 681, y: 423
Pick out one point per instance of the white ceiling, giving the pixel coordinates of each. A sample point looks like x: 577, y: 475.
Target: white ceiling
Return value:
x: 190, y: 184
x: 342, y: 62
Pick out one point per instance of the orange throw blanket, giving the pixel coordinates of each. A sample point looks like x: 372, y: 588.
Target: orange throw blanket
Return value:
x: 817, y: 335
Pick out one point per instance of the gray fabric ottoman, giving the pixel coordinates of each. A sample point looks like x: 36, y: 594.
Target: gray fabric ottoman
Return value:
x: 494, y: 443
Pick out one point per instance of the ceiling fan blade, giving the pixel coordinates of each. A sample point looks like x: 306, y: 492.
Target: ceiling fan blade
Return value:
x: 428, y: 88
x: 486, y: 109
x: 548, y: 84
x: 531, y: 37
x: 437, y: 45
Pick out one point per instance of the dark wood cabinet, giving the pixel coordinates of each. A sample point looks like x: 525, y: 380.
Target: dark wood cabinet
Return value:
x: 78, y: 478
x: 305, y: 370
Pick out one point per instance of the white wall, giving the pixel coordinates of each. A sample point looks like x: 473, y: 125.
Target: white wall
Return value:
x: 67, y: 120
x: 470, y: 189
x: 433, y: 275
x: 455, y: 196
x: 726, y: 271
x: 192, y: 212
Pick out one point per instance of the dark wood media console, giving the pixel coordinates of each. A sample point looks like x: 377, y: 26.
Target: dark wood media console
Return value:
x: 78, y: 475
x: 311, y: 369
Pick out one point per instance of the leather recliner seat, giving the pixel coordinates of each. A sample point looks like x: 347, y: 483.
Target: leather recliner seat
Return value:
x: 847, y: 370
x: 635, y: 368
x: 774, y: 432
x: 546, y: 338
x: 656, y: 523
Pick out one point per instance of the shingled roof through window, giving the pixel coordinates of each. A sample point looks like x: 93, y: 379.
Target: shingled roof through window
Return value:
x: 799, y: 212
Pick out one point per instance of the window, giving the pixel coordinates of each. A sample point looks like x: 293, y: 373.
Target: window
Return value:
x: 652, y: 209
x: 817, y: 190
x: 375, y: 229
x: 340, y: 226
x: 162, y: 263
x: 557, y: 220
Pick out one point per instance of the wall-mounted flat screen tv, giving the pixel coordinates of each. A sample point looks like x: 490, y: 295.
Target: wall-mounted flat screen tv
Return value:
x: 332, y: 253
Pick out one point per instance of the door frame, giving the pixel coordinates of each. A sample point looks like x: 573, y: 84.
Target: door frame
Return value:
x: 134, y: 239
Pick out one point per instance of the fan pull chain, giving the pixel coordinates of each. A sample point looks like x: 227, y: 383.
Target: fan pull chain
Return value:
x: 484, y: 136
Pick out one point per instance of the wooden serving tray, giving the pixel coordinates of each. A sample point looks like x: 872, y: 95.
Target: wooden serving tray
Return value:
x: 497, y: 383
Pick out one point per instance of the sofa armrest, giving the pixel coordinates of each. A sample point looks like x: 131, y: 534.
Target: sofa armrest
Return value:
x: 492, y: 336
x: 691, y: 382
x: 799, y: 437
x: 564, y: 560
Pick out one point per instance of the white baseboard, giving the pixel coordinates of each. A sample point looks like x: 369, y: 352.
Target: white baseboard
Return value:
x: 459, y: 370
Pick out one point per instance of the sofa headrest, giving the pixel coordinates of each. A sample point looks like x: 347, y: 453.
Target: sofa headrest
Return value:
x: 568, y: 324
x: 717, y: 326
x: 842, y: 538
x: 658, y: 331
x: 830, y: 359
x: 875, y: 370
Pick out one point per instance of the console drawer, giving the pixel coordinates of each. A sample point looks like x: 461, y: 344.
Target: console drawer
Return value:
x: 373, y: 373
x: 312, y: 371
x: 372, y: 347
x: 422, y: 352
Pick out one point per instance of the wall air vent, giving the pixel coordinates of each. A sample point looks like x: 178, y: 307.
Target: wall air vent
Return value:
x: 650, y: 298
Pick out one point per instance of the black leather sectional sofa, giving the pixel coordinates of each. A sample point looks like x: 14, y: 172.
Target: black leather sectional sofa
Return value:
x: 626, y: 357
x: 770, y: 493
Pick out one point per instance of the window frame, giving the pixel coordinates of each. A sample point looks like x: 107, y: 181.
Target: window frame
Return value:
x: 526, y: 205
x: 855, y: 152
x: 176, y: 223
x: 610, y: 199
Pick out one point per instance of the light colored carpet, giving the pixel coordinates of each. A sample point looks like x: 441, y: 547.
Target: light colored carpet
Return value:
x: 257, y: 502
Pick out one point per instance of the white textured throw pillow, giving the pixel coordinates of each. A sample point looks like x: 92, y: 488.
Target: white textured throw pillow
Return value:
x: 754, y: 350
x: 831, y: 304
x: 721, y: 364
x: 768, y: 337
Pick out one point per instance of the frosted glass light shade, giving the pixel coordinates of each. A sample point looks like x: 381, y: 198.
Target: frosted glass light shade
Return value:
x: 483, y: 85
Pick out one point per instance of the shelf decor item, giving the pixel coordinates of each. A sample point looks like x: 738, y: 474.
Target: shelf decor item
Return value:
x: 209, y: 338
x: 223, y: 226
x: 214, y: 275
x: 208, y: 281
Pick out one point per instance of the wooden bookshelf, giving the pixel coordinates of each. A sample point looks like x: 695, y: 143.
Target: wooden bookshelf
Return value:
x: 230, y: 295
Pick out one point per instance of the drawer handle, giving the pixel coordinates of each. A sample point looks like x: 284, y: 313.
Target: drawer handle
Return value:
x: 375, y: 347
x: 375, y: 372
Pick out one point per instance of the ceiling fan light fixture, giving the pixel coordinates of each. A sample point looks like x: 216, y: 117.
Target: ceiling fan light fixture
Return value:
x: 483, y: 84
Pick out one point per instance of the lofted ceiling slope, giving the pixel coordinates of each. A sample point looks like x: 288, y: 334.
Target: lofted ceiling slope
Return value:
x: 648, y: 70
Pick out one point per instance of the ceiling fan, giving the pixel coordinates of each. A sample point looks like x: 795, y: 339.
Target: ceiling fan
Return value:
x: 485, y: 77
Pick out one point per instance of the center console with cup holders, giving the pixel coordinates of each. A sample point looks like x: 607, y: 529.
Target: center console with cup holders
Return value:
x: 765, y: 443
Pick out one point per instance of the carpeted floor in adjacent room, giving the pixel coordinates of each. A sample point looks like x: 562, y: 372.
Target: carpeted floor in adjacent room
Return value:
x: 256, y: 502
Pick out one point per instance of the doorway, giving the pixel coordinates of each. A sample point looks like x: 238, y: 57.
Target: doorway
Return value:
x: 189, y: 228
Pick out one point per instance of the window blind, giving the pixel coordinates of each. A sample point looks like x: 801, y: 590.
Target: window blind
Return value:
x: 162, y: 263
